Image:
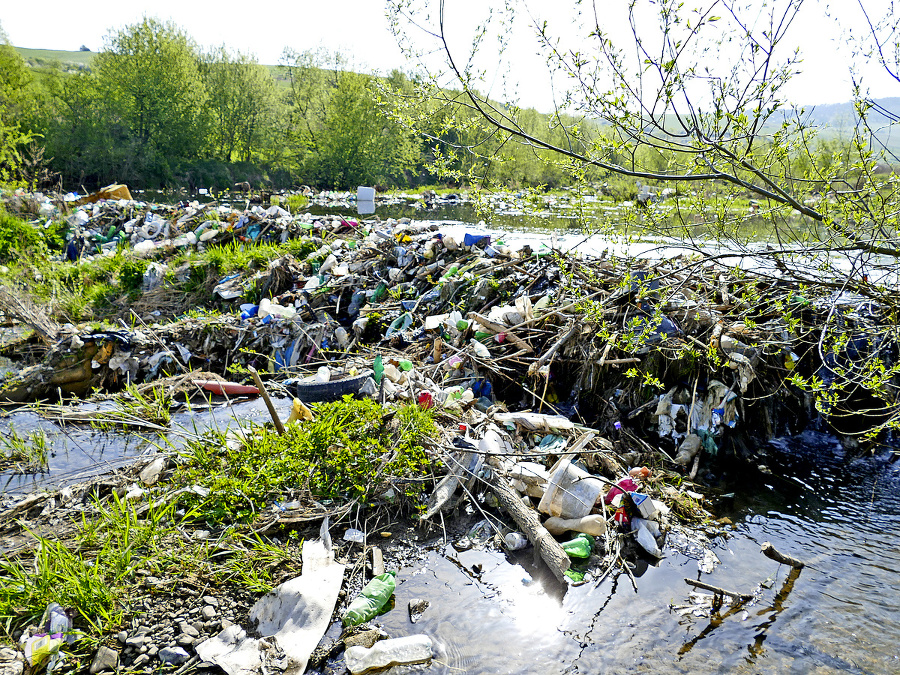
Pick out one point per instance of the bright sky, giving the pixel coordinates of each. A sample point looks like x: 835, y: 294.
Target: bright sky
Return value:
x: 359, y: 28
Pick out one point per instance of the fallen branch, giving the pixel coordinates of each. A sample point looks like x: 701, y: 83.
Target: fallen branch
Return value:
x: 499, y: 328
x: 742, y: 597
x: 568, y: 335
x: 770, y: 552
x: 527, y: 520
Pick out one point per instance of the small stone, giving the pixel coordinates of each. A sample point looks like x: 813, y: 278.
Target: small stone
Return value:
x: 105, y: 659
x: 208, y: 612
x: 122, y: 636
x: 365, y: 639
x: 226, y: 624
x: 198, y: 626
x: 188, y: 629
x: 174, y: 656
x: 136, y: 642
x: 142, y: 630
x: 210, y: 600
x: 153, y: 651
x: 416, y: 607
x: 141, y: 661
x: 150, y: 473
x: 143, y: 649
x: 12, y: 661
x: 185, y: 640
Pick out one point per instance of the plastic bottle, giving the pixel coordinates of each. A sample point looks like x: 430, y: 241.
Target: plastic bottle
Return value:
x: 370, y: 600
x: 395, y: 652
x: 594, y: 525
x: 515, y: 541
x: 579, y: 547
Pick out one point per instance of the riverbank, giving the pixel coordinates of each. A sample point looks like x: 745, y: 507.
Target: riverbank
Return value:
x: 682, y: 366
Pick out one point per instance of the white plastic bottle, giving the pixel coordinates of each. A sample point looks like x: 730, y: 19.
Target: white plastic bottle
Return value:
x: 394, y: 652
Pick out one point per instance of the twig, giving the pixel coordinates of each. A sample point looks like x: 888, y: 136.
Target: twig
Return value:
x: 742, y: 597
x: 770, y: 552
x: 262, y: 390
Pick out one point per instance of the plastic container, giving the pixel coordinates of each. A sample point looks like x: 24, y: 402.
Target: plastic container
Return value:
x: 365, y: 194
x: 395, y: 652
x: 571, y: 492
x: 370, y: 600
x: 579, y: 547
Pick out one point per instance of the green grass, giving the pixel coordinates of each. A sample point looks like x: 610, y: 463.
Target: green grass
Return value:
x: 349, y: 452
x: 24, y: 455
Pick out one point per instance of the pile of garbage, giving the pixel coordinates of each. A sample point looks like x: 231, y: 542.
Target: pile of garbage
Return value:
x: 452, y: 318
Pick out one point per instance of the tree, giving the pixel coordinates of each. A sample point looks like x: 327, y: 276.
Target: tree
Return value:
x: 696, y: 96
x: 15, y: 102
x: 149, y: 81
x: 242, y: 102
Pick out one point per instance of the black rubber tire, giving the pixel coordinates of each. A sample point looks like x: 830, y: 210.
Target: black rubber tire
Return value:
x: 310, y: 392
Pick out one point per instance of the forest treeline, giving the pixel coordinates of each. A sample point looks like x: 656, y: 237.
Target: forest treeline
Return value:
x: 154, y: 111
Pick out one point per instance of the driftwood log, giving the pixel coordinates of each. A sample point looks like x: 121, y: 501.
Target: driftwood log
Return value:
x: 527, y: 520
x: 770, y: 552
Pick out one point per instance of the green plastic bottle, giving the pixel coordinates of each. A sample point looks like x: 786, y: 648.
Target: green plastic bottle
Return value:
x: 371, y: 599
x: 579, y: 547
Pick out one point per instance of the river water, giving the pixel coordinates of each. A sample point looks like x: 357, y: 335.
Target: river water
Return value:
x: 840, y: 614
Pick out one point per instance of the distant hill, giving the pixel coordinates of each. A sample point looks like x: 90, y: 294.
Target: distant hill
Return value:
x: 44, y: 57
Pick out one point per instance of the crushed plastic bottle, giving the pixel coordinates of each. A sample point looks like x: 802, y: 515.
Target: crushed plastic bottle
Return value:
x: 579, y: 547
x: 394, y: 652
x: 370, y: 600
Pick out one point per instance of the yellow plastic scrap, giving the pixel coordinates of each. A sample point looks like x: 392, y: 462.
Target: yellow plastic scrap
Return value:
x: 299, y: 412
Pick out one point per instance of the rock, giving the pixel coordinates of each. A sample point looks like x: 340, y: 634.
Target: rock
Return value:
x: 122, y: 636
x: 188, y: 629
x: 12, y: 661
x: 141, y: 661
x: 198, y: 626
x: 105, y: 659
x: 210, y: 600
x: 365, y: 639
x: 185, y: 640
x: 416, y: 607
x: 150, y: 474
x: 136, y: 642
x: 153, y: 651
x: 208, y: 612
x: 174, y: 656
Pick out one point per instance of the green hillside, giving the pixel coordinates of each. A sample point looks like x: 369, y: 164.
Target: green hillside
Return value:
x: 44, y: 56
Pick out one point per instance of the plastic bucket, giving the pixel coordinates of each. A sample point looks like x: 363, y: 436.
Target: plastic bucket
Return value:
x: 571, y: 492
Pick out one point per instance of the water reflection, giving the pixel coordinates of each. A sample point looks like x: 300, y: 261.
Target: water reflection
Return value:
x: 839, y: 614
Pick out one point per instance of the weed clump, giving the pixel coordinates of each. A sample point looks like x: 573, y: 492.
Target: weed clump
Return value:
x: 351, y: 451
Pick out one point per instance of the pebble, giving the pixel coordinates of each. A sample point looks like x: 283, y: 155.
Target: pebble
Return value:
x: 185, y: 640
x: 141, y: 661
x: 208, y: 612
x: 105, y: 659
x: 136, y: 641
x: 188, y: 629
x: 210, y: 600
x: 122, y: 636
x: 173, y: 655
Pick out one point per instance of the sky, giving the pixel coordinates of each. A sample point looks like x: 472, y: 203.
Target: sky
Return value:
x: 359, y: 29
